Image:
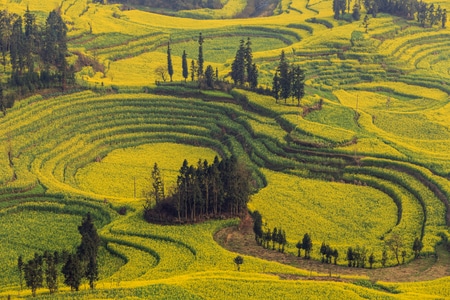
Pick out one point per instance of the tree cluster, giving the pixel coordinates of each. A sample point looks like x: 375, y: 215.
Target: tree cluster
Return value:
x: 243, y: 70
x: 306, y: 245
x: 426, y: 13
x: 357, y: 257
x: 327, y: 253
x: 74, y: 267
x: 277, y: 236
x: 288, y: 81
x: 36, y: 54
x: 201, y: 192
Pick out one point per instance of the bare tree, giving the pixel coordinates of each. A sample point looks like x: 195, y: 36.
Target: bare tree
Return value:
x: 161, y: 71
x: 395, y: 244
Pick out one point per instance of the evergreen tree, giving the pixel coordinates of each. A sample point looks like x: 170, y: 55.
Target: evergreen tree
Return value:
x: 156, y: 193
x: 257, y: 226
x: 238, y: 65
x: 51, y: 272
x: 253, y: 77
x: 307, y: 245
x: 444, y: 18
x: 356, y: 15
x: 298, y: 86
x: 268, y: 236
x: 55, y: 46
x: 209, y: 76
x: 5, y: 35
x: 33, y: 273
x: 88, y: 249
x: 30, y: 39
x: 422, y: 10
x: 323, y: 251
x: 285, y: 77
x: 200, y: 55
x: 169, y: 62
x: 193, y: 70
x: 184, y: 66
x: 431, y: 15
x: 73, y: 272
x: 92, y: 271
x: 20, y: 266
x: 274, y: 237
x: 335, y: 255
x: 276, y: 86
x: 16, y: 49
x: 342, y: 6
x: 336, y: 9
x: 280, y: 239
x: 248, y: 57
x: 350, y: 256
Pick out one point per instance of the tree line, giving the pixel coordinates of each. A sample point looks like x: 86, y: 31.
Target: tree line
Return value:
x: 36, y: 54
x: 357, y: 257
x: 201, y: 192
x: 277, y: 236
x: 74, y: 266
x: 244, y: 71
x: 425, y: 13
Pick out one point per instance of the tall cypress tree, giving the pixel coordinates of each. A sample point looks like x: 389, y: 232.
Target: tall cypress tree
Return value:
x: 193, y: 70
x: 285, y: 77
x: 20, y: 266
x: 88, y: 249
x: 200, y: 55
x: 30, y: 39
x: 184, y: 66
x: 276, y: 86
x: 248, y: 56
x: 169, y: 62
x: 55, y: 46
x: 5, y: 35
x: 253, y: 76
x: 238, y: 65
x: 16, y: 47
x: 444, y: 18
x: 298, y: 88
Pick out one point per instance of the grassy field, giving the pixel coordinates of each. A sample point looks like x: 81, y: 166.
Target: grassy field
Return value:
x: 372, y: 162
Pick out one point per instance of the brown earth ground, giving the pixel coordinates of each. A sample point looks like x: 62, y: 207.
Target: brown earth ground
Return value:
x: 241, y: 239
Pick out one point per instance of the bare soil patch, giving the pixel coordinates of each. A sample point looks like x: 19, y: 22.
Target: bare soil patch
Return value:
x: 241, y: 239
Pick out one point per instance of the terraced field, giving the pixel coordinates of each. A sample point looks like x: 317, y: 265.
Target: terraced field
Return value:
x: 372, y: 163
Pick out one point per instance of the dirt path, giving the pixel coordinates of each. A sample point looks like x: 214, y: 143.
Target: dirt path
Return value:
x: 241, y: 239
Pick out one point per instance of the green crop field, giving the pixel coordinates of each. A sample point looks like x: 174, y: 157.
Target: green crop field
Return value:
x: 371, y: 164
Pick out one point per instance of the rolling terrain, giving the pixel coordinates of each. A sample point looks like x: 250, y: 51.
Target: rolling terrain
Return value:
x: 370, y: 164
